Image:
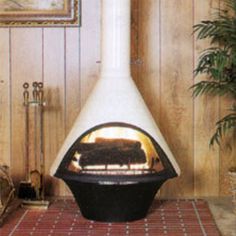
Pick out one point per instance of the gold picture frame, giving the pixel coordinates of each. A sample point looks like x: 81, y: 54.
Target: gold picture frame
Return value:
x: 39, y: 13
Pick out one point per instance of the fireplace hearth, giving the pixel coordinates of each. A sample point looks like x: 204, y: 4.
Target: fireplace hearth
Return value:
x: 115, y: 159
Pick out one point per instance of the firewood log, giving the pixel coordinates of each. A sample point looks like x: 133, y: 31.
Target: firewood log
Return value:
x: 118, y: 142
x: 110, y: 155
x: 108, y: 143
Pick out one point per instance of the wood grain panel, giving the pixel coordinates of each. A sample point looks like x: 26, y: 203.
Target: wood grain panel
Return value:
x: 73, y: 93
x: 206, y: 164
x: 149, y: 48
x: 26, y: 67
x: 176, y: 121
x: 89, y: 47
x: 5, y: 115
x: 54, y: 116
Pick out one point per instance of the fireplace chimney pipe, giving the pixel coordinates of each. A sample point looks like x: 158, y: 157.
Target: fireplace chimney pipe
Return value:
x: 115, y: 38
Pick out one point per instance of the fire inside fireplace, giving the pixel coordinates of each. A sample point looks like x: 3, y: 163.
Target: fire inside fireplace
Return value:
x: 115, y: 150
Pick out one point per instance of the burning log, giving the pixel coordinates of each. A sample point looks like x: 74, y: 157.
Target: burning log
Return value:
x: 103, y: 143
x: 111, y: 152
x: 112, y: 156
x: 119, y: 142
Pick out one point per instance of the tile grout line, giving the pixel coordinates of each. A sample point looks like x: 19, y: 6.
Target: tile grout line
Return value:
x: 16, y: 226
x: 199, y: 219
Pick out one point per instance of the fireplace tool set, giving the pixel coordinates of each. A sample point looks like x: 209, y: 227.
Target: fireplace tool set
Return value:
x: 31, y: 190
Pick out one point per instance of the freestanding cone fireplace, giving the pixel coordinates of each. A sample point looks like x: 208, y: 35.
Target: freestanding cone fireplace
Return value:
x: 115, y: 158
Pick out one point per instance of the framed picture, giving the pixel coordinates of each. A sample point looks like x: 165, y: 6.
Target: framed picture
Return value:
x: 39, y: 12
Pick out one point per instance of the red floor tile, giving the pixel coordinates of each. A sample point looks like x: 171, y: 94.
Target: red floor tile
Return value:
x: 166, y: 218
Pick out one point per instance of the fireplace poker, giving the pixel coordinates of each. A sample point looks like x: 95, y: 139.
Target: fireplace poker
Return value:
x: 26, y: 104
x: 41, y: 144
x: 35, y: 94
x: 35, y: 175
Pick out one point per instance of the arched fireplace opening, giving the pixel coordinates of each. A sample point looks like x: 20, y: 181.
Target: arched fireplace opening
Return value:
x: 115, y: 149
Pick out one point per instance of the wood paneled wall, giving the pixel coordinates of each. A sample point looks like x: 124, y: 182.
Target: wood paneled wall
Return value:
x: 67, y: 60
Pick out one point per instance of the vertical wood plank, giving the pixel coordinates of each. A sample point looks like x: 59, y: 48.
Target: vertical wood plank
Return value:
x: 54, y: 115
x: 89, y: 46
x: 149, y: 49
x: 72, y: 76
x: 26, y: 48
x: 5, y: 116
x: 206, y: 160
x: 176, y: 104
x: 72, y: 79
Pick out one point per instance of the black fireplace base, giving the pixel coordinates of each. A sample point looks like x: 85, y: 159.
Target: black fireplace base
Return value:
x: 114, y: 202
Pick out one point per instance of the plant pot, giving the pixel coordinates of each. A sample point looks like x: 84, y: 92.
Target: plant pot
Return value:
x: 232, y: 177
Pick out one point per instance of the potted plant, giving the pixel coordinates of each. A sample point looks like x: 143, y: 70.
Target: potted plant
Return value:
x: 218, y: 62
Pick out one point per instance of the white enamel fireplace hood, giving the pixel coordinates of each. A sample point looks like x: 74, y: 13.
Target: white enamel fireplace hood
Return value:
x: 115, y: 97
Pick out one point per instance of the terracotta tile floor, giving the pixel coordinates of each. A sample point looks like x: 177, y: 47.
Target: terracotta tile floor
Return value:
x: 166, y: 218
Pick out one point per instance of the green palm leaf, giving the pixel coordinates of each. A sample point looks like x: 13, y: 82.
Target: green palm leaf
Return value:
x: 218, y: 63
x: 224, y: 126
